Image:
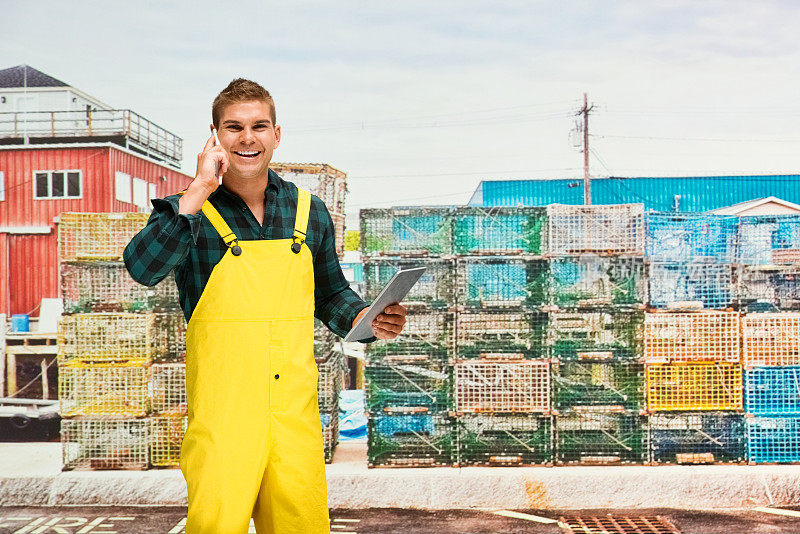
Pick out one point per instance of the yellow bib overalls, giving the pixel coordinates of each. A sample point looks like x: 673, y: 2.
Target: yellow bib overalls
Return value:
x: 253, y: 446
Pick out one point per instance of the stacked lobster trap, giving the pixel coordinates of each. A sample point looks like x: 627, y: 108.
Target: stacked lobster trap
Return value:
x: 596, y: 299
x: 324, y: 181
x: 121, y: 352
x: 332, y: 373
x: 408, y: 380
x: 501, y: 369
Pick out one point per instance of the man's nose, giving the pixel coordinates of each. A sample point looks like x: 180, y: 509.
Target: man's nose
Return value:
x: 247, y: 135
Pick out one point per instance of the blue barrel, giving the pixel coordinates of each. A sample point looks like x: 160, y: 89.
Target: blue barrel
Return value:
x: 20, y: 322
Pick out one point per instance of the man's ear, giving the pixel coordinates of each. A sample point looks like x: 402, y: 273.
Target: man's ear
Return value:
x: 277, y: 135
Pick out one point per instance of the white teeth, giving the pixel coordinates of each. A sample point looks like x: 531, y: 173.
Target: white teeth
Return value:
x: 247, y: 153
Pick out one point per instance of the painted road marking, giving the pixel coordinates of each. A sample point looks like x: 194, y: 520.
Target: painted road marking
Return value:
x: 347, y: 520
x: 777, y: 511
x: 527, y: 517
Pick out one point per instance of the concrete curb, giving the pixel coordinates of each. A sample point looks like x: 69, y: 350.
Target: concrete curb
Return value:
x: 352, y: 486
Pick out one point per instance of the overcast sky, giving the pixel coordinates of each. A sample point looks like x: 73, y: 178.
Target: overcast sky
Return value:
x: 419, y: 101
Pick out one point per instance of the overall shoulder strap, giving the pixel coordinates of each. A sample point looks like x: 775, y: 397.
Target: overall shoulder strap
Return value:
x: 217, y: 222
x: 301, y: 218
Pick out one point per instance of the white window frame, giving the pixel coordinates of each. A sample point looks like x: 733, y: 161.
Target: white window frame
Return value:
x: 120, y: 187
x: 50, y: 184
x: 2, y: 186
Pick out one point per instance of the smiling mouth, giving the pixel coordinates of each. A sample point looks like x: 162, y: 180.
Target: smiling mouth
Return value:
x: 248, y: 154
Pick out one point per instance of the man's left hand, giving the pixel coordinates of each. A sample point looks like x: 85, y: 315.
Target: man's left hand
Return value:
x: 389, y: 324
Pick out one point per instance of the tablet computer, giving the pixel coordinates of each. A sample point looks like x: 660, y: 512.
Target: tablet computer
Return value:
x: 394, y: 292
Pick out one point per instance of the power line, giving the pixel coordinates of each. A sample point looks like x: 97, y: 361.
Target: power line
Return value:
x: 362, y: 177
x: 720, y: 139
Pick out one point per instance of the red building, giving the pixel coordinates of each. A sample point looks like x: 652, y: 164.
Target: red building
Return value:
x: 61, y: 150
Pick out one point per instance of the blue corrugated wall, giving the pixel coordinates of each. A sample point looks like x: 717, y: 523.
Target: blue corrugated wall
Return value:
x: 697, y: 193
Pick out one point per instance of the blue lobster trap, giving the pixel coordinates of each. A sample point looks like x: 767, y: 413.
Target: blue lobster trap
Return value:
x: 410, y: 440
x: 501, y: 282
x: 709, y: 283
x: 768, y: 240
x: 773, y: 439
x: 680, y: 237
x: 773, y: 390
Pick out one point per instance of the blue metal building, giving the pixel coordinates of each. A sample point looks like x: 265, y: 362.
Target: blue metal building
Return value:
x: 684, y: 193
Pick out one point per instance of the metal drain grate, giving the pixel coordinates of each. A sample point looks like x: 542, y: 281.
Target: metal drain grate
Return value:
x: 618, y: 524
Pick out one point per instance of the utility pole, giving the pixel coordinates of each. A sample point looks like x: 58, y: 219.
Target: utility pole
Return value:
x: 587, y: 182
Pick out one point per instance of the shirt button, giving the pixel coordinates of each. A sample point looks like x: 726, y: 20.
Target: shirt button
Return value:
x: 277, y: 377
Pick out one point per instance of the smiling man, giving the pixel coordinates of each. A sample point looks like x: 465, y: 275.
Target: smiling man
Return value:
x: 254, y: 261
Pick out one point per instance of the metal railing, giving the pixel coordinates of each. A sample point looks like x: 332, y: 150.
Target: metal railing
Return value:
x: 96, y: 123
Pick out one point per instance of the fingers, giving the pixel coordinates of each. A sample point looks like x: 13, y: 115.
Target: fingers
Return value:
x: 209, y: 143
x: 395, y: 309
x: 383, y: 333
x: 391, y: 319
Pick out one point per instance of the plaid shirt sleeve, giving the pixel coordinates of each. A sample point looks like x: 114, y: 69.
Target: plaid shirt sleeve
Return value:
x: 336, y: 304
x: 163, y: 243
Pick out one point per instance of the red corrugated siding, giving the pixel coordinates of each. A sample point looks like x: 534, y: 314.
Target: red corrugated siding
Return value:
x: 33, y: 271
x: 29, y: 263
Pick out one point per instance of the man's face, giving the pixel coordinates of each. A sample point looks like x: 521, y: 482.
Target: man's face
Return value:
x: 246, y: 128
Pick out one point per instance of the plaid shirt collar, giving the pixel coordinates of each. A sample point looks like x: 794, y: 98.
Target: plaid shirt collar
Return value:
x: 274, y: 182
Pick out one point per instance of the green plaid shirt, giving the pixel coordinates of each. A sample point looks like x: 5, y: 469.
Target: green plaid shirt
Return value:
x: 189, y: 245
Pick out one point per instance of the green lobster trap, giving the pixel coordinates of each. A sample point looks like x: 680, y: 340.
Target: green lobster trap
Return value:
x: 324, y: 340
x: 501, y: 334
x: 600, y: 438
x: 697, y: 438
x: 417, y: 231
x: 98, y: 443
x: 499, y: 230
x: 329, y: 420
x: 598, y: 386
x: 598, y: 335
x: 434, y: 289
x: 496, y: 440
x: 410, y: 440
x: 88, y: 287
x: 426, y: 336
x: 590, y: 281
x: 412, y: 387
x: 330, y: 380
x: 501, y: 282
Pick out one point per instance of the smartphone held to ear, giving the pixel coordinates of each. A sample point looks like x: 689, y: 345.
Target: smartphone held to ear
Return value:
x: 216, y: 143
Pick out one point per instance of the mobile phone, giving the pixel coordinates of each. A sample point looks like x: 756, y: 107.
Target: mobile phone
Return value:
x: 216, y: 142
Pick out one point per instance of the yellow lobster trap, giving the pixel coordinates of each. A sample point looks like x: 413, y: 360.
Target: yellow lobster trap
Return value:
x: 165, y: 439
x: 694, y: 386
x: 104, y: 389
x: 97, y: 236
x: 104, y: 337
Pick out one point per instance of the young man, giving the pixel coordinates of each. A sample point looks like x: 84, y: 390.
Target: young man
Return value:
x: 253, y: 268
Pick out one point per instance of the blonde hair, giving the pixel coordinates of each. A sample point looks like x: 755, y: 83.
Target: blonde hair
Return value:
x: 240, y: 90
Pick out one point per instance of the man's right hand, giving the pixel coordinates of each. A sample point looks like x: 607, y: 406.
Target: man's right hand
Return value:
x: 205, y: 181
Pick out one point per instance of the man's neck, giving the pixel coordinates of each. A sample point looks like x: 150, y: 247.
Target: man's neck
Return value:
x: 251, y: 190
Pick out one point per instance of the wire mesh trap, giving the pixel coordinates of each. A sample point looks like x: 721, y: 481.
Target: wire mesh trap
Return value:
x: 771, y: 339
x: 596, y: 335
x: 104, y: 389
x: 165, y: 439
x: 590, y: 281
x: 167, y: 389
x: 406, y: 231
x: 433, y: 290
x: 97, y: 337
x: 703, y: 336
x: 330, y: 380
x: 498, y: 230
x: 713, y: 285
x: 425, y: 336
x: 772, y: 390
x: 601, y: 229
x: 490, y: 334
x: 681, y: 237
x: 598, y: 386
x: 774, y: 287
x: 401, y: 388
x: 692, y: 438
x: 107, y: 287
x: 694, y: 386
x: 769, y: 239
x: 330, y: 432
x: 600, y: 438
x: 90, y: 443
x: 512, y: 440
x: 484, y: 386
x: 773, y: 439
x: 410, y: 440
x: 501, y: 282
x: 97, y: 236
